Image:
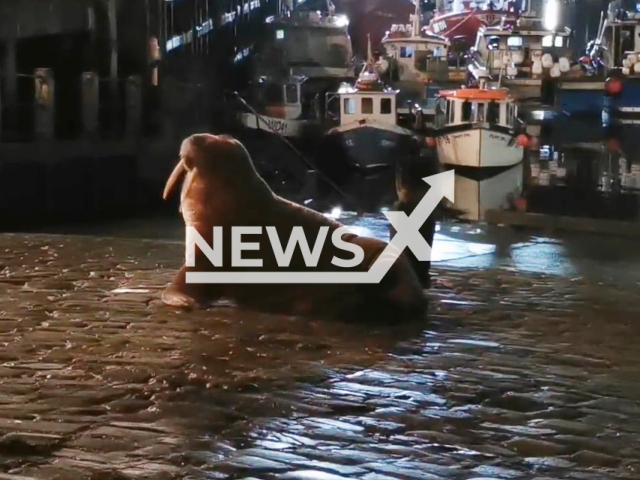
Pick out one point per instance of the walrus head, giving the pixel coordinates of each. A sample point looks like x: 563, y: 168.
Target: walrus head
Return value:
x: 218, y: 157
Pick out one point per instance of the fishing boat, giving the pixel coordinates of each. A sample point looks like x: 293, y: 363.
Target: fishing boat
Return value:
x: 302, y: 56
x: 418, y: 64
x: 524, y: 57
x: 464, y: 20
x: 479, y: 128
x: 617, y: 52
x: 367, y: 135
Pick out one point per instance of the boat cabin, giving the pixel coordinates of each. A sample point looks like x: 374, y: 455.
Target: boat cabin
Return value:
x: 366, y: 101
x: 472, y: 106
x: 415, y: 53
x: 522, y: 49
x: 281, y: 98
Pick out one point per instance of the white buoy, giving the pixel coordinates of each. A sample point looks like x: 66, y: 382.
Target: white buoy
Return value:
x: 536, y: 68
x: 625, y: 71
x: 555, y: 70
x: 512, y: 71
x: 537, y: 55
x: 517, y: 57
x: 632, y: 58
x: 636, y: 68
x: 626, y: 63
x: 565, y: 64
x: 547, y: 60
x: 382, y: 65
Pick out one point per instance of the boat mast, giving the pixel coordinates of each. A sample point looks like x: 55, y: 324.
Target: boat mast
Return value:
x: 416, y: 20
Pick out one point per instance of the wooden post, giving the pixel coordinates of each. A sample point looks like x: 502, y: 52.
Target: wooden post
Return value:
x: 90, y: 103
x: 10, y: 78
x: 0, y: 110
x: 134, y: 106
x: 44, y: 104
x: 113, y: 64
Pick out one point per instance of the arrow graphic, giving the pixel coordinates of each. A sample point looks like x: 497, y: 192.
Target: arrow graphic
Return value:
x: 407, y: 235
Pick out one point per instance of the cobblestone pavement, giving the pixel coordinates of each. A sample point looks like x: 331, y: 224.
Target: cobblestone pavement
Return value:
x: 515, y: 376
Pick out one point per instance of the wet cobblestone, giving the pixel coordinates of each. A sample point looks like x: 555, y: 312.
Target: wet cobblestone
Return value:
x: 515, y: 376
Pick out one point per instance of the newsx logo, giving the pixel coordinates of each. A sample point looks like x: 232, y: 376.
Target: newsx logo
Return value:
x: 408, y: 235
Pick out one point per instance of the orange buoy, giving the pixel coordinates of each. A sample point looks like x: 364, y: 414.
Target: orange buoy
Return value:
x: 430, y: 141
x: 613, y: 86
x: 520, y: 204
x: 523, y: 140
x: 613, y: 145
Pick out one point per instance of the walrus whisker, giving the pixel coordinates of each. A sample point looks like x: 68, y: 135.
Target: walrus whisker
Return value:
x: 173, y: 178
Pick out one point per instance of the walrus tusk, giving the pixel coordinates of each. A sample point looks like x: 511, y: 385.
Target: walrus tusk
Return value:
x: 173, y: 178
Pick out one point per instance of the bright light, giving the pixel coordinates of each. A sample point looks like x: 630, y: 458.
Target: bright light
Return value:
x: 279, y: 34
x: 336, y: 212
x: 341, y: 21
x: 551, y: 13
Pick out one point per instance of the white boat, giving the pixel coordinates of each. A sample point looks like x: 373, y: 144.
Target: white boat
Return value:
x: 477, y: 127
x: 521, y: 57
x: 413, y: 59
x: 367, y: 134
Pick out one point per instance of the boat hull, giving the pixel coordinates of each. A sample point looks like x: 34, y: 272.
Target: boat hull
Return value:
x: 369, y: 147
x: 475, y: 196
x: 277, y: 126
x: 465, y: 25
x: 579, y: 98
x: 478, y: 147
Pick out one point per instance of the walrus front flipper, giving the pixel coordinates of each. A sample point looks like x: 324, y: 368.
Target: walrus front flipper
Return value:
x: 181, y: 294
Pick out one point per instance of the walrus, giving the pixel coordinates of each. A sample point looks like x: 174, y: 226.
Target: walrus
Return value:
x: 222, y: 188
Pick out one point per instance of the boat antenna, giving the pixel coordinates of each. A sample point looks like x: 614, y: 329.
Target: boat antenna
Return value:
x: 369, y: 50
x: 331, y: 8
x: 416, y: 19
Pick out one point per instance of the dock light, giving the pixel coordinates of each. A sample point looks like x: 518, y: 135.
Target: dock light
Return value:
x: 551, y: 14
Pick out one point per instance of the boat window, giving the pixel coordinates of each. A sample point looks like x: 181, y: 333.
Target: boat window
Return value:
x: 450, y: 111
x: 291, y: 93
x: 440, y: 113
x: 547, y: 41
x: 559, y: 41
x: 349, y: 106
x: 514, y: 42
x: 493, y: 112
x: 466, y: 112
x: 493, y: 43
x: 406, y: 52
x: 510, y: 114
x: 385, y: 106
x: 367, y: 105
x: 479, y: 112
x: 279, y: 34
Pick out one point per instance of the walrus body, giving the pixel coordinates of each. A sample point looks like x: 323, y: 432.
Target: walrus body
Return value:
x: 222, y: 189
